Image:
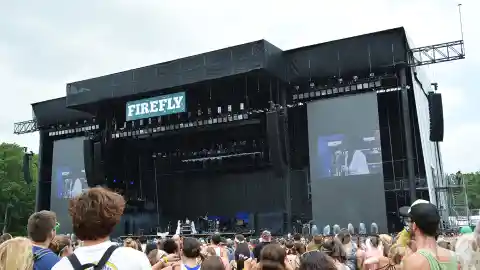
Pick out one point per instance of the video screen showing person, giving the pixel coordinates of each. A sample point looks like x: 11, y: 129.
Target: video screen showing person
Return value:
x: 68, y: 178
x: 344, y: 155
x: 70, y: 183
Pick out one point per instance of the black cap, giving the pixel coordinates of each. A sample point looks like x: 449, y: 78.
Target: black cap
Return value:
x: 426, y: 217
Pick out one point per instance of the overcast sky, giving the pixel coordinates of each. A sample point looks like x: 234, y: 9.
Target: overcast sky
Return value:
x: 46, y: 44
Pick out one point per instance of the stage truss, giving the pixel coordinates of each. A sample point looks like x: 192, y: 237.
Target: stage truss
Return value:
x: 438, y: 53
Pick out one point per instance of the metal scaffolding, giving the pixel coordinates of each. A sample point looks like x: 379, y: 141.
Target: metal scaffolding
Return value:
x: 453, y: 201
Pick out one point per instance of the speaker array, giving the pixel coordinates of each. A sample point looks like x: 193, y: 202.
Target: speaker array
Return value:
x: 93, y: 161
x: 276, y: 140
x: 436, y: 116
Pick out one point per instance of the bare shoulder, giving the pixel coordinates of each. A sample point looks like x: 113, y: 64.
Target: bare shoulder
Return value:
x: 415, y: 262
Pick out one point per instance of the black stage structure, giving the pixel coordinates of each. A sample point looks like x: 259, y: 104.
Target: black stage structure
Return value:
x: 340, y: 132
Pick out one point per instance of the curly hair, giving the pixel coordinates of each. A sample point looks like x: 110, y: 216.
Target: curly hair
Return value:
x: 95, y: 213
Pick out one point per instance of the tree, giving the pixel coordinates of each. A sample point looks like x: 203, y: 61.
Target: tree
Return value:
x: 472, y: 183
x: 15, y: 193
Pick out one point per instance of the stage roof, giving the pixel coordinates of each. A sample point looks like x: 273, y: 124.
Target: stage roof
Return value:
x: 55, y: 111
x: 349, y: 55
x: 385, y: 48
x: 207, y: 66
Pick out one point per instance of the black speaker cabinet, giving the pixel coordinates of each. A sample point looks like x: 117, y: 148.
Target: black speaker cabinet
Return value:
x: 98, y: 164
x: 26, y: 168
x: 88, y: 162
x: 276, y: 141
x: 436, y: 116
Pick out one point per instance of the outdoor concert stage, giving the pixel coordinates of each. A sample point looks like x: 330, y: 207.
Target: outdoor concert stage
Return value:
x: 251, y: 136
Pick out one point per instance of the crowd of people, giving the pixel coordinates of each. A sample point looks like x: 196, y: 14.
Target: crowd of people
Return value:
x: 97, y: 211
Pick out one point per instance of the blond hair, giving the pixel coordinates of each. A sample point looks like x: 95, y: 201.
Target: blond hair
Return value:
x: 396, y: 253
x: 16, y: 254
x: 129, y: 242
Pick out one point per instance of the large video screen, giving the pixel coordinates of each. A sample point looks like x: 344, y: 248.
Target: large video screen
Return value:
x: 345, y: 161
x: 68, y: 178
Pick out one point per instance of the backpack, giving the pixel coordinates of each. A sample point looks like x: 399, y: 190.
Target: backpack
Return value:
x: 78, y: 266
x: 40, y: 253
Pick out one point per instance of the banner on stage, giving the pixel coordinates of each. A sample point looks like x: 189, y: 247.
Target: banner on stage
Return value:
x: 156, y: 106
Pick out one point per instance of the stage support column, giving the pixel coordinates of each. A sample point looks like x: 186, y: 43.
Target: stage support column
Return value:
x: 45, y: 151
x: 282, y: 93
x: 407, y: 126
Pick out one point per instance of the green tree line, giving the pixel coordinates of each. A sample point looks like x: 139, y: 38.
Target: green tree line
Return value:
x: 472, y: 184
x: 17, y: 198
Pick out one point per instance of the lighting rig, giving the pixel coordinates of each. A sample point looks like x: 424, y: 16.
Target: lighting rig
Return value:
x: 146, y: 127
x: 339, y: 87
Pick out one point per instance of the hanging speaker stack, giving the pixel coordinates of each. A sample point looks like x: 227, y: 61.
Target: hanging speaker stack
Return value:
x: 276, y: 141
x: 435, y: 107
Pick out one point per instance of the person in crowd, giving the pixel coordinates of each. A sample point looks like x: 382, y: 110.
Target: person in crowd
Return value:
x: 216, y: 244
x: 467, y: 248
x: 373, y: 251
x: 61, y: 245
x: 316, y: 260
x: 212, y: 252
x: 266, y: 238
x: 334, y: 249
x: 153, y: 256
x: 170, y: 246
x: 273, y: 257
x: 178, y: 240
x: 230, y: 248
x: 191, y: 254
x: 297, y: 237
x: 41, y: 231
x: 94, y: 214
x: 349, y: 247
x: 424, y: 224
x: 129, y: 242
x: 143, y: 243
x: 241, y: 254
x: 16, y: 254
x: 294, y: 251
x: 5, y: 237
x: 213, y: 263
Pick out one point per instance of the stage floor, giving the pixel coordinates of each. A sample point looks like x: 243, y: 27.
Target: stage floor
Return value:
x: 197, y: 235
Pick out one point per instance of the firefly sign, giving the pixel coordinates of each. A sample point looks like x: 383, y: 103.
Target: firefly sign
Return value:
x: 156, y: 106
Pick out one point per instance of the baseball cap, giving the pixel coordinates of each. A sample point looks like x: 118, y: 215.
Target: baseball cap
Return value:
x: 425, y: 215
x: 405, y: 210
x: 465, y: 230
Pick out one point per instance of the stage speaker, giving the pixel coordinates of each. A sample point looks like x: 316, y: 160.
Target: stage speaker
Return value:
x: 88, y: 162
x: 26, y: 168
x: 98, y: 165
x: 276, y: 141
x: 436, y: 116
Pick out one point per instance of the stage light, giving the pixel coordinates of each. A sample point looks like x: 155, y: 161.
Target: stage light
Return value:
x: 114, y: 181
x: 131, y: 182
x: 355, y: 78
x: 340, y: 80
x: 372, y: 74
x: 312, y: 85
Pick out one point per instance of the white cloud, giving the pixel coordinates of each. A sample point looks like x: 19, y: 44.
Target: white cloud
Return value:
x: 44, y: 45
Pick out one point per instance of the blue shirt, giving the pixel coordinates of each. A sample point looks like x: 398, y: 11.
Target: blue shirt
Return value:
x: 45, y: 259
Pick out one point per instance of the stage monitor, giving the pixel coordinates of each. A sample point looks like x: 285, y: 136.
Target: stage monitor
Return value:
x: 68, y: 178
x: 345, y: 161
